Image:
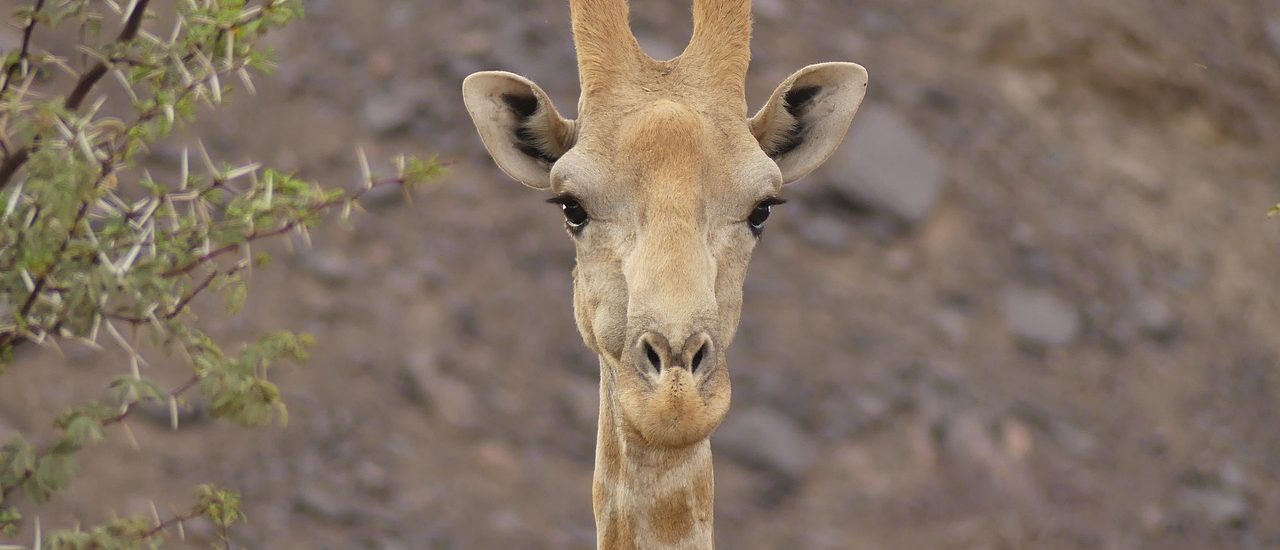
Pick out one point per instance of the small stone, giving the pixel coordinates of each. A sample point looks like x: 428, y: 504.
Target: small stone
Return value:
x: 1155, y: 317
x: 473, y: 42
x: 322, y: 504
x: 447, y: 396
x: 953, y: 323
x: 824, y: 232
x: 331, y: 265
x: 1073, y: 439
x: 766, y: 439
x: 1272, y: 27
x: 1039, y: 317
x: 1153, y: 518
x: 582, y: 398
x: 887, y: 165
x: 1017, y: 439
x: 899, y: 261
x: 371, y: 476
x: 1220, y: 506
x: 499, y: 458
x: 770, y: 9
x: 391, y: 112
x: 381, y: 63
x: 388, y: 543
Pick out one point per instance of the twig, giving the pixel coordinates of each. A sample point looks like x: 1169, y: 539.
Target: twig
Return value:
x: 12, y: 163
x: 128, y: 409
x: 175, y: 520
x: 182, y: 302
x: 87, y: 80
x: 24, y: 53
x: 255, y: 235
x: 94, y: 74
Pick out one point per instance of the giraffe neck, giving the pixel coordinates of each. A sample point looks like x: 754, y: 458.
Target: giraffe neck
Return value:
x: 646, y: 496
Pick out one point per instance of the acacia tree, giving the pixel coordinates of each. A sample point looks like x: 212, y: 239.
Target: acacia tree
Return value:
x: 96, y: 251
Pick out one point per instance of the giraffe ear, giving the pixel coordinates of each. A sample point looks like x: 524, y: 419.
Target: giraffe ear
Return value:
x: 808, y: 116
x: 519, y: 126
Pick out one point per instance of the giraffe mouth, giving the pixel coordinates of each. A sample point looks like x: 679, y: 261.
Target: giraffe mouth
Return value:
x: 677, y: 406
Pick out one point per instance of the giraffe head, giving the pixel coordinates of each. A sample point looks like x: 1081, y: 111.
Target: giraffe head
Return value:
x: 665, y: 184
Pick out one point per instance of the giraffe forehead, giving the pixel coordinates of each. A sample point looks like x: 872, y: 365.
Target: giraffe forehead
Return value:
x: 665, y: 146
x: 663, y: 134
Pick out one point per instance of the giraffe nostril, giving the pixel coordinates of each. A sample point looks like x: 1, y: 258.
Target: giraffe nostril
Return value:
x: 697, y: 358
x: 654, y: 359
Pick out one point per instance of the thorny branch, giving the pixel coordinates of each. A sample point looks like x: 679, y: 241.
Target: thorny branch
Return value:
x: 95, y: 73
x: 14, y: 160
x: 23, y: 53
x: 17, y: 158
x: 83, y: 250
x: 128, y: 409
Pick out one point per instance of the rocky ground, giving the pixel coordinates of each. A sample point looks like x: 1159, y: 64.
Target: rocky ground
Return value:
x: 1030, y: 304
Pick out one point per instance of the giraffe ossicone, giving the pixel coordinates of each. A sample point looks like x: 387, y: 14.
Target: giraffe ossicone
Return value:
x: 665, y: 183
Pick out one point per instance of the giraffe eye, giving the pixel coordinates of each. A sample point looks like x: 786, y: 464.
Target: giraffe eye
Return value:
x: 759, y: 215
x: 575, y: 216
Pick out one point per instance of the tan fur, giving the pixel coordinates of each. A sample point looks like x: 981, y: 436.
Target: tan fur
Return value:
x: 669, y: 167
x: 670, y: 518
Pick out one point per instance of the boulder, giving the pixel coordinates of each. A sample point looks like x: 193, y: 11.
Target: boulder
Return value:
x: 886, y: 165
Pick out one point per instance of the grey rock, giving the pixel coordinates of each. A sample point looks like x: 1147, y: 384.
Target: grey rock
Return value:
x: 391, y: 112
x: 1039, y: 317
x: 770, y: 9
x: 954, y: 323
x: 887, y: 165
x: 325, y: 505
x: 582, y: 398
x: 852, y: 412
x: 824, y: 232
x: 1272, y: 27
x: 445, y: 395
x: 372, y: 477
x: 331, y: 265
x: 1219, y: 506
x: 764, y: 438
x: 1073, y: 439
x: 1155, y: 317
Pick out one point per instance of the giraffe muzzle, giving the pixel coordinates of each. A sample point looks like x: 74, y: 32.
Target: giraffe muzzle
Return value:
x: 654, y: 350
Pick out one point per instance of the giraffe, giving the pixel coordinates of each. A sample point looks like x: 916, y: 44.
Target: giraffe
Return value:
x: 665, y: 185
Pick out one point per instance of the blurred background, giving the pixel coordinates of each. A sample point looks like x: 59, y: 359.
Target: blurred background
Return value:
x: 1030, y: 303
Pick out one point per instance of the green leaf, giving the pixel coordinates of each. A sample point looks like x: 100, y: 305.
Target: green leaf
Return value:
x: 417, y: 171
x: 82, y: 429
x: 9, y: 518
x: 128, y: 389
x: 222, y: 507
x: 16, y: 458
x: 236, y: 296
x: 52, y: 474
x: 1275, y: 211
